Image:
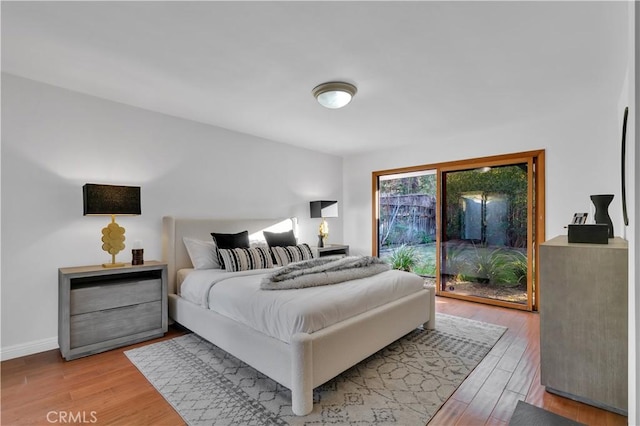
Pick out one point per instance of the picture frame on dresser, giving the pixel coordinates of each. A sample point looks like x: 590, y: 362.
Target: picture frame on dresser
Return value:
x: 579, y: 218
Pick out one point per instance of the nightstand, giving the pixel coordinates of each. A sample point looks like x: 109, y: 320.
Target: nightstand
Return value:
x: 105, y: 308
x: 331, y: 250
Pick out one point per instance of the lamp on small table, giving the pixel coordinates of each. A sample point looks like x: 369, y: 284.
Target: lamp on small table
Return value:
x: 111, y: 200
x: 323, y: 209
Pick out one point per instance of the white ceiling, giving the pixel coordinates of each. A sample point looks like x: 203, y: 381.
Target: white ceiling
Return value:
x: 423, y: 69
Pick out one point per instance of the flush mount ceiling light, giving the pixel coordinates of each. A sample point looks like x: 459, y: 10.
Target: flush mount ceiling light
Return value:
x: 335, y: 94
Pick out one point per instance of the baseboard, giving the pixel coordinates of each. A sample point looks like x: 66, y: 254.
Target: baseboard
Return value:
x: 29, y: 348
x: 621, y: 411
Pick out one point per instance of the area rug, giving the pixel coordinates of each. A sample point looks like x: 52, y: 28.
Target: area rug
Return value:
x: 403, y: 384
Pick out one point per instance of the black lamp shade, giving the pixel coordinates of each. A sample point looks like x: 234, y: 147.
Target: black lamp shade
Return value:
x: 111, y: 199
x: 323, y: 209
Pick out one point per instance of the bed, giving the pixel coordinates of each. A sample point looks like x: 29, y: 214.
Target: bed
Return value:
x: 306, y: 360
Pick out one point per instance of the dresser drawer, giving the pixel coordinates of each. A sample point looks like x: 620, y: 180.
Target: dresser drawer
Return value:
x: 100, y: 326
x: 91, y: 298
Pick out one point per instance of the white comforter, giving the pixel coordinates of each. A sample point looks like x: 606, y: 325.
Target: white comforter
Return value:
x: 281, y: 314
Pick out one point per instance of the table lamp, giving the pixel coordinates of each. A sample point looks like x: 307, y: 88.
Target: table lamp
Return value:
x: 322, y: 209
x: 111, y: 200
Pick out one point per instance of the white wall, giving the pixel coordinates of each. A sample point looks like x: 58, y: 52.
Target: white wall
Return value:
x: 55, y: 140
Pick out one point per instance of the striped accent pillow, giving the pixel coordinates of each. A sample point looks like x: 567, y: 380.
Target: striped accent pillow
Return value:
x: 244, y: 259
x: 286, y: 255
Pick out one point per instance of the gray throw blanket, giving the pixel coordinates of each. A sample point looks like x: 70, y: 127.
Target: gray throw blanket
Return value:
x: 323, y: 271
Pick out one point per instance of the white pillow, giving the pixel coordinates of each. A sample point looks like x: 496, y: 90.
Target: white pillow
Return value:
x: 202, y: 253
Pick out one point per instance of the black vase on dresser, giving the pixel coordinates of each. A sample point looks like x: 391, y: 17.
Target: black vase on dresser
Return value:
x: 601, y: 202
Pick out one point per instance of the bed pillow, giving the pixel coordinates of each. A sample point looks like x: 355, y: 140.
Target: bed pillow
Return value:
x: 226, y: 241
x: 229, y: 241
x: 203, y: 254
x: 280, y: 239
x: 244, y: 259
x: 286, y: 255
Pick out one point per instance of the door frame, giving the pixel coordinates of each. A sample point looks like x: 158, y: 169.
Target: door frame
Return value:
x: 535, y: 216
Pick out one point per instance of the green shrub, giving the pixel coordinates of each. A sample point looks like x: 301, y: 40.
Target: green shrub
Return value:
x: 519, y: 265
x: 425, y: 238
x: 403, y: 258
x: 426, y: 267
x: 457, y: 263
x: 503, y: 267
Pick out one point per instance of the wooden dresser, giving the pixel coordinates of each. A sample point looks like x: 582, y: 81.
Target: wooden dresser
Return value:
x: 104, y: 308
x: 583, y: 321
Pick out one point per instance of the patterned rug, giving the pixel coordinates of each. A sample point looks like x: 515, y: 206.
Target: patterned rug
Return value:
x: 402, y: 384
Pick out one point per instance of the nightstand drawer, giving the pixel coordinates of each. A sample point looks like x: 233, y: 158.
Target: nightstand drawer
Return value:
x: 97, y: 297
x: 101, y: 326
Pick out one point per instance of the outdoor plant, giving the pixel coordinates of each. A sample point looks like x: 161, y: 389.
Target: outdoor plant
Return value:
x: 519, y: 265
x: 458, y: 264
x: 500, y: 266
x: 404, y: 258
x: 494, y: 266
x: 425, y: 238
x: 426, y: 268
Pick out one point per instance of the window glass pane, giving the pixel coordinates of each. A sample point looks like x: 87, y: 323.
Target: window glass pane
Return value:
x: 407, y: 221
x: 483, y: 250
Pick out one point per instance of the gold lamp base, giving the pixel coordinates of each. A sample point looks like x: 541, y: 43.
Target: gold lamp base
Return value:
x: 323, y: 233
x: 113, y: 242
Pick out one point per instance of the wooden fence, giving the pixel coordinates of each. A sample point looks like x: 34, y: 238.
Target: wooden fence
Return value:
x: 407, y: 219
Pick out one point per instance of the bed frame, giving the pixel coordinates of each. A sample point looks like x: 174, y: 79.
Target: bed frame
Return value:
x: 309, y: 360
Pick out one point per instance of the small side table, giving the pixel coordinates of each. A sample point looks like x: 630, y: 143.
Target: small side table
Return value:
x: 331, y: 250
x: 105, y: 308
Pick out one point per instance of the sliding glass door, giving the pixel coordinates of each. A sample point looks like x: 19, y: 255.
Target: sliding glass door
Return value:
x: 487, y: 232
x: 469, y: 227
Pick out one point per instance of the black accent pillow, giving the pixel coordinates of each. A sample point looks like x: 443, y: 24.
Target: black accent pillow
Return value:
x: 280, y: 239
x: 231, y: 241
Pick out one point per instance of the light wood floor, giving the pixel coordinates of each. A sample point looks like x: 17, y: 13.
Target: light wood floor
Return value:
x: 108, y: 388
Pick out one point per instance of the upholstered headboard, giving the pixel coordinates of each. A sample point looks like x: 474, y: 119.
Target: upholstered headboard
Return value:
x: 174, y: 229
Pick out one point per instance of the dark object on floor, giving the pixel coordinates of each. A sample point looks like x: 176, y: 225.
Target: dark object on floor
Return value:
x: 530, y: 415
